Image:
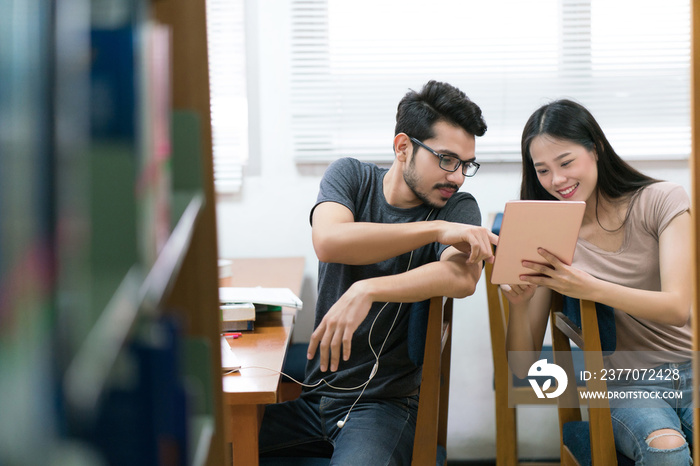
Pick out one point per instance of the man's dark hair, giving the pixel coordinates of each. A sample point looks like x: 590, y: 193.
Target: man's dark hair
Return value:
x: 418, y: 112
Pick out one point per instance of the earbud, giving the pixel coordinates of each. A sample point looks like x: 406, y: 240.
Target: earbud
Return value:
x: 340, y: 424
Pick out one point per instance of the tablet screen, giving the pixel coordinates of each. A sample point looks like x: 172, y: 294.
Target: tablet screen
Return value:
x: 528, y: 225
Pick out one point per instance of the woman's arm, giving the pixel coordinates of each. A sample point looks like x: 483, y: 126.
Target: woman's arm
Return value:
x: 669, y: 306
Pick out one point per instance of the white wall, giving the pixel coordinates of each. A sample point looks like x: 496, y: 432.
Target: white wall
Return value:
x: 270, y: 218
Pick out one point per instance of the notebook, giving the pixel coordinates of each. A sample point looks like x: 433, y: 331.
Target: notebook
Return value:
x: 528, y: 225
x: 229, y: 361
x: 259, y: 295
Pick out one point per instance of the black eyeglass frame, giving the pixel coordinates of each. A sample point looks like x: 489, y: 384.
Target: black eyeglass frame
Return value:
x: 465, y: 164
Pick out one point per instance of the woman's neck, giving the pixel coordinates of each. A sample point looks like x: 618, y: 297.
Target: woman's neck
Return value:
x: 604, y: 221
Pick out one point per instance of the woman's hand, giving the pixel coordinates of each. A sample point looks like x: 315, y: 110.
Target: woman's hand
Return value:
x: 557, y: 276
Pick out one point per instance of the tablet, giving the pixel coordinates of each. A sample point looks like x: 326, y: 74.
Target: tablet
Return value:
x: 528, y: 225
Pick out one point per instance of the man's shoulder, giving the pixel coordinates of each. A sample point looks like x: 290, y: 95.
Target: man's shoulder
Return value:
x: 346, y: 161
x: 461, y: 207
x: 351, y: 164
x: 461, y: 196
x: 353, y: 170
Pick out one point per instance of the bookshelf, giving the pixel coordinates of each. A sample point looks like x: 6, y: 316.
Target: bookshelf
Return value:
x: 109, y: 329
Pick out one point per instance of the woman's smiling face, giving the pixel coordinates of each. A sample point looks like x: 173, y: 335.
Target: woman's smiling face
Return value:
x: 568, y: 171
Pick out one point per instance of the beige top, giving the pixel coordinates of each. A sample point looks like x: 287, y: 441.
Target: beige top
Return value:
x: 636, y: 265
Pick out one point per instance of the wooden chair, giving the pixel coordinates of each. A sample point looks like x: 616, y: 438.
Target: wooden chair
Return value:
x: 430, y: 441
x: 508, y: 394
x: 591, y: 442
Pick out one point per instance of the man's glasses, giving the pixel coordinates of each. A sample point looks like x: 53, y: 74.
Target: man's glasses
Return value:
x: 450, y: 163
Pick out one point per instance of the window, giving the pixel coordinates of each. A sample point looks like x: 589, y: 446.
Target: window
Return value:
x: 228, y: 95
x: 627, y: 61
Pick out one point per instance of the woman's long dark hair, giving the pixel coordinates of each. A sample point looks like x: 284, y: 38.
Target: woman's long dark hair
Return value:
x: 570, y: 121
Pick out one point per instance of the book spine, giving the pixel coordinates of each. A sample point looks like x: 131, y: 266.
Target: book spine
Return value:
x: 238, y: 325
x: 235, y: 312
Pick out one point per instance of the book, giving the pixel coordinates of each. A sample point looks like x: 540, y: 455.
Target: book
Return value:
x: 260, y: 295
x: 115, y: 65
x: 154, y: 177
x: 237, y: 316
x: 238, y: 325
x: 225, y: 268
x: 267, y: 308
x: 237, y: 311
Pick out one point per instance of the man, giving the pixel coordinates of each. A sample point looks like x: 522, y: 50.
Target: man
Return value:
x: 384, y: 237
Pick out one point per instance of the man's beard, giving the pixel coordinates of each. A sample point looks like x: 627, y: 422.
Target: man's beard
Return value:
x: 412, y: 180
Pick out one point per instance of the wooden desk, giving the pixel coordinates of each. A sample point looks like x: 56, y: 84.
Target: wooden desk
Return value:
x: 247, y: 392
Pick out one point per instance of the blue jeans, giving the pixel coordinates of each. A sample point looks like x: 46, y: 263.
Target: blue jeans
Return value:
x: 641, y: 410
x: 377, y: 432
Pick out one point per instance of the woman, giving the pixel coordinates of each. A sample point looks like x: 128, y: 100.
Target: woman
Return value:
x: 632, y: 254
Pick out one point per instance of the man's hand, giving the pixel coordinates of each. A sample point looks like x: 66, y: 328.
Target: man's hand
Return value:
x: 475, y: 241
x: 518, y: 294
x: 337, y: 327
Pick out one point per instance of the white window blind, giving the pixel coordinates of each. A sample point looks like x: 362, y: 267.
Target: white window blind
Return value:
x: 627, y: 61
x: 228, y: 95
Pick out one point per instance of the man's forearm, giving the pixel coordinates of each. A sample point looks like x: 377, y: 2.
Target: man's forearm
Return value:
x: 359, y: 243
x: 452, y: 278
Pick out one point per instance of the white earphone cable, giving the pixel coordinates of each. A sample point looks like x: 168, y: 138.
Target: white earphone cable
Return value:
x: 375, y: 368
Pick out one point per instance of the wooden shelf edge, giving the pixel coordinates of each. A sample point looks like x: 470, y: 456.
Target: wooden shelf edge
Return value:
x: 201, y: 434
x: 89, y: 370
x: 162, y: 275
x: 87, y: 374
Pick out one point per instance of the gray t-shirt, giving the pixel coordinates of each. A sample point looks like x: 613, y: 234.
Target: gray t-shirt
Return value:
x: 358, y: 186
x: 640, y: 342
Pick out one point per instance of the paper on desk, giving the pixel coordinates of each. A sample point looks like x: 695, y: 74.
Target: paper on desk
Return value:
x: 229, y: 361
x: 259, y: 295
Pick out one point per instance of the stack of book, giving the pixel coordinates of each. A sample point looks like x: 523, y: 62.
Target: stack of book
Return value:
x: 236, y: 317
x: 239, y: 305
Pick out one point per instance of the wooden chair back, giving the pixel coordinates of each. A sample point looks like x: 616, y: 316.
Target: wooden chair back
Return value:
x: 587, y: 337
x: 507, y: 394
x: 430, y: 441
